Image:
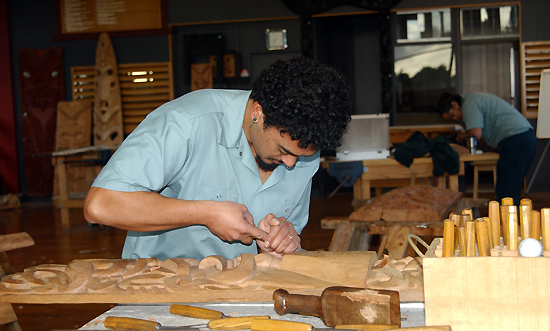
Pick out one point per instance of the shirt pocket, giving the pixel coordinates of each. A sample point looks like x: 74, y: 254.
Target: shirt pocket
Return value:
x: 216, y: 194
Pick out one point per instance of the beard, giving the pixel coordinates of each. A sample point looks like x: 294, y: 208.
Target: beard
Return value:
x: 264, y: 165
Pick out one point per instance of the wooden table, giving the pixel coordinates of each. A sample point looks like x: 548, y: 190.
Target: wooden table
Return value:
x: 388, y: 172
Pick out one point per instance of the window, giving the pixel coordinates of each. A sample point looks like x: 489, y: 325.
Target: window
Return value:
x: 459, y: 50
x: 423, y: 72
x: 424, y: 26
x: 490, y: 22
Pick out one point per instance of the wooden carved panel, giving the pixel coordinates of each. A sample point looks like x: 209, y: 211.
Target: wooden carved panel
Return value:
x: 74, y: 130
x: 42, y: 87
x: 201, y: 76
x: 107, y: 101
x: 246, y: 278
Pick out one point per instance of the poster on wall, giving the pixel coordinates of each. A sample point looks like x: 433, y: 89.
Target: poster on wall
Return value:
x: 81, y: 19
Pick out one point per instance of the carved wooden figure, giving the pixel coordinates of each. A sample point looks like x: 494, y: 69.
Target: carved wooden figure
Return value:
x: 107, y: 100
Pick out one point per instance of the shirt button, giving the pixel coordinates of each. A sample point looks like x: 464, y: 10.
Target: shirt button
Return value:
x: 241, y: 154
x: 219, y: 196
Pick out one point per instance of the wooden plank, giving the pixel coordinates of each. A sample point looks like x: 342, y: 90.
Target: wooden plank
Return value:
x: 487, y: 293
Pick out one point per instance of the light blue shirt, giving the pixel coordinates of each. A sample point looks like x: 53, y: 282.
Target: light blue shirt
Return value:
x: 497, y: 118
x: 194, y: 148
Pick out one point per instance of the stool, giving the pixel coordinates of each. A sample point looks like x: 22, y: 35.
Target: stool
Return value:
x: 483, y: 166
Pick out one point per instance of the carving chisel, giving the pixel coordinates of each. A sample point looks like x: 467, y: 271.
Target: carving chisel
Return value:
x: 227, y: 323
x: 129, y: 323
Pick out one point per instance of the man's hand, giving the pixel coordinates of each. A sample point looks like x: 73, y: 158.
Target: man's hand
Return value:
x: 281, y: 236
x: 232, y: 221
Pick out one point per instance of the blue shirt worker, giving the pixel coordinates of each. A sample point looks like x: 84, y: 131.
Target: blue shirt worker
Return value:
x: 500, y: 126
x: 224, y: 172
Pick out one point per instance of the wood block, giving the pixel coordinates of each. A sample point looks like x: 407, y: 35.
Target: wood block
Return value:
x: 507, y: 293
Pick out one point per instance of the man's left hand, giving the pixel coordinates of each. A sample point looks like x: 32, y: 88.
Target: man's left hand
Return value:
x: 281, y: 236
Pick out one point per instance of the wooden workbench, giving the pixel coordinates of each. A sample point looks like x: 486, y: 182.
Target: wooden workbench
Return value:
x: 388, y: 172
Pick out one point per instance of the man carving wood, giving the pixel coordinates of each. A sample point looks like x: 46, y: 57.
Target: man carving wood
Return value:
x: 224, y: 172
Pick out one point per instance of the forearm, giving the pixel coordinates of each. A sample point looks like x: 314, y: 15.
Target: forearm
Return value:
x: 461, y: 137
x: 142, y: 211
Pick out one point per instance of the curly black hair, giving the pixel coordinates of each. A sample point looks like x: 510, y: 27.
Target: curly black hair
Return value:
x: 444, y: 102
x: 306, y: 99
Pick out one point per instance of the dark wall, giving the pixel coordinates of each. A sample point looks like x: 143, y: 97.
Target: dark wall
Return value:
x: 35, y: 29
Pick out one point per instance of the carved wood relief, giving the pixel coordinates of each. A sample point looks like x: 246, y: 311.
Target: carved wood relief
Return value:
x: 107, y: 100
x: 246, y: 278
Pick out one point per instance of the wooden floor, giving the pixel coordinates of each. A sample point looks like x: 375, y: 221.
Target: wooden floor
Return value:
x: 56, y: 245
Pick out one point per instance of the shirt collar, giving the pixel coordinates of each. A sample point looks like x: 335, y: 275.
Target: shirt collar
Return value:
x: 232, y: 121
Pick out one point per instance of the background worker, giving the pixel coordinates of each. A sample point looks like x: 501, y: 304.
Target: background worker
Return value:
x: 224, y: 172
x: 498, y: 124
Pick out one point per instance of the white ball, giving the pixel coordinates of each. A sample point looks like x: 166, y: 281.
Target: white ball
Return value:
x: 530, y: 248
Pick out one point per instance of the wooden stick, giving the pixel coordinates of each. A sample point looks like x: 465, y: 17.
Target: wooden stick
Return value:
x: 504, y: 221
x: 535, y: 224
x: 468, y: 212
x: 448, y: 238
x: 507, y: 202
x: 545, y: 228
x: 470, y: 238
x: 526, y: 201
x: 483, y: 246
x: 494, y: 215
x: 525, y: 221
x: 462, y: 240
x: 487, y: 221
x: 512, y: 226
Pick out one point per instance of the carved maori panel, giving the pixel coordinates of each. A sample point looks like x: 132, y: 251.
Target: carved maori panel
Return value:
x: 107, y: 99
x: 404, y: 275
x: 246, y: 278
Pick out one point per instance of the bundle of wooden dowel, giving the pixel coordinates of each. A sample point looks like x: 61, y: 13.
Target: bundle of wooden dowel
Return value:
x: 498, y: 233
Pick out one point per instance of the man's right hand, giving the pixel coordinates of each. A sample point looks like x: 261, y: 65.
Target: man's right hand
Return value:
x: 232, y: 221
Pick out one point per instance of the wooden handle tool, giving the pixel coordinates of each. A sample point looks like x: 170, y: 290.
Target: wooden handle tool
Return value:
x: 525, y: 220
x: 234, y: 323
x: 340, y: 305
x: 448, y: 238
x: 483, y: 246
x: 545, y: 228
x: 129, y: 323
x: 195, y: 312
x: 535, y: 225
x: 494, y: 215
x: 489, y: 229
x: 470, y: 230
x: 121, y: 323
x: 278, y: 325
x: 512, y: 227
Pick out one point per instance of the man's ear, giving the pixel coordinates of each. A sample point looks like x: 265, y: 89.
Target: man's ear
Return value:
x: 257, y: 110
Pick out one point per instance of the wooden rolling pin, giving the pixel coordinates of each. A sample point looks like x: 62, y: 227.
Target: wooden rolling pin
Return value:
x: 340, y: 305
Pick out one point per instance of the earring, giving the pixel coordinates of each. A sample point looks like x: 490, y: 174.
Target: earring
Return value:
x: 253, y: 121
